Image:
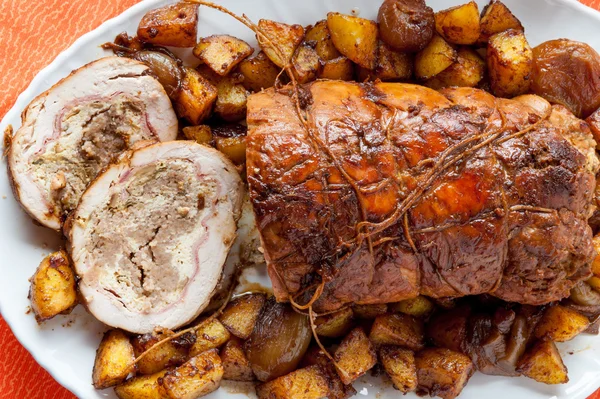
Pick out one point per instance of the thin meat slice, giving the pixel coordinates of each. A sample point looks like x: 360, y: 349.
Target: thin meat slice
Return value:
x: 73, y: 130
x: 151, y: 235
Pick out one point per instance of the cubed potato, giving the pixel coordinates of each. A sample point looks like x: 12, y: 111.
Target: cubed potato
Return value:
x: 211, y: 334
x: 197, y: 377
x: 320, y: 37
x: 340, y: 68
x: 391, y: 66
x: 355, y: 356
x: 337, y: 389
x: 201, y: 134
x: 306, y: 383
x: 173, y: 25
x: 509, y: 61
x: 222, y: 53
x: 283, y: 39
x: 114, y: 360
x: 335, y: 325
x: 196, y: 97
x: 433, y: 59
x: 369, y: 311
x: 168, y: 354
x: 443, y: 372
x: 356, y: 38
x: 596, y: 262
x: 398, y: 329
x: 232, y: 97
x: 467, y: 71
x: 306, y: 64
x: 419, y: 306
x: 496, y: 18
x: 258, y: 72
x: 241, y: 314
x: 448, y: 329
x: 142, y: 387
x: 53, y: 288
x: 560, y: 324
x: 233, y: 147
x: 543, y: 363
x: 460, y: 24
x: 399, y: 364
x: 236, y: 366
x: 594, y: 282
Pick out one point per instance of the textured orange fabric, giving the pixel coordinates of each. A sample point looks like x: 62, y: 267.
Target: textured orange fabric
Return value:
x: 32, y: 34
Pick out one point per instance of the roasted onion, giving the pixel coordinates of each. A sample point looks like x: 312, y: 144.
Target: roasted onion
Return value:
x: 162, y: 67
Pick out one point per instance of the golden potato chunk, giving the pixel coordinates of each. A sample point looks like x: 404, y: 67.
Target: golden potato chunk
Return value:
x: 398, y: 329
x: 594, y: 282
x: 281, y: 40
x: 560, y: 324
x: 596, y: 262
x: 336, y: 324
x: 369, y: 311
x: 467, y: 71
x: 391, y: 66
x: 233, y: 147
x: 222, y: 53
x: 196, y: 97
x: 168, y: 354
x: 53, y: 288
x: 355, y: 356
x: 142, y: 387
x: 417, y: 307
x: 114, y: 360
x: 509, y: 61
x: 337, y: 389
x: 544, y: 364
x: 241, y: 314
x: 173, y: 25
x: 306, y: 64
x: 231, y: 96
x: 460, y: 24
x: 356, y: 38
x: 433, y: 59
x: 337, y: 69
x: 197, y: 377
x: 236, y: 366
x: 258, y: 72
x: 306, y: 383
x: 201, y: 134
x: 399, y: 364
x: 211, y: 334
x: 497, y: 18
x: 442, y: 372
x: 320, y: 37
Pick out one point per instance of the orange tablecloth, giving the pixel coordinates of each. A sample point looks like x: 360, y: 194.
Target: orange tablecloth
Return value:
x: 32, y: 34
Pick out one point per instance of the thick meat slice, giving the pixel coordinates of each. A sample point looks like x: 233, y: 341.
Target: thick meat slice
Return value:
x: 151, y: 234
x: 70, y: 132
x: 391, y: 190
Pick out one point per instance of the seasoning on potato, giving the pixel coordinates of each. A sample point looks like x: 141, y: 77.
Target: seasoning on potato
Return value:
x: 509, y: 61
x: 174, y: 25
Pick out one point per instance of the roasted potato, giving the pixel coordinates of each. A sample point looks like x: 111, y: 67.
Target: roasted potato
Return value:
x: 496, y: 18
x: 433, y: 59
x: 509, y: 62
x: 222, y: 53
x: 240, y: 316
x: 443, y: 372
x: 231, y: 96
x: 369, y: 311
x: 233, y: 147
x: 320, y: 37
x: 281, y: 40
x: 258, y: 72
x: 168, y: 354
x: 335, y: 325
x: 594, y: 282
x: 337, y: 69
x: 201, y: 134
x: 236, y: 366
x: 398, y: 329
x: 467, y: 71
x: 114, y: 360
x: 399, y: 364
x: 543, y: 363
x: 53, y: 288
x: 406, y: 25
x: 174, y: 25
x: 197, y: 377
x: 448, y: 329
x: 419, y: 306
x: 306, y: 383
x: 356, y: 38
x: 211, y: 334
x: 142, y: 387
x: 196, y: 97
x: 337, y: 389
x: 460, y: 24
x: 391, y: 66
x: 305, y: 64
x: 355, y: 356
x: 560, y: 324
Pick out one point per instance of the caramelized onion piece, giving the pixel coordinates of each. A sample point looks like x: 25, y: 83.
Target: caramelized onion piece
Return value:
x: 406, y: 25
x: 163, y: 68
x: 515, y: 345
x: 582, y: 294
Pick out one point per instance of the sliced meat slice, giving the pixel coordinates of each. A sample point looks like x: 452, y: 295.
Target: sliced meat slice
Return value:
x: 151, y: 234
x: 73, y: 130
